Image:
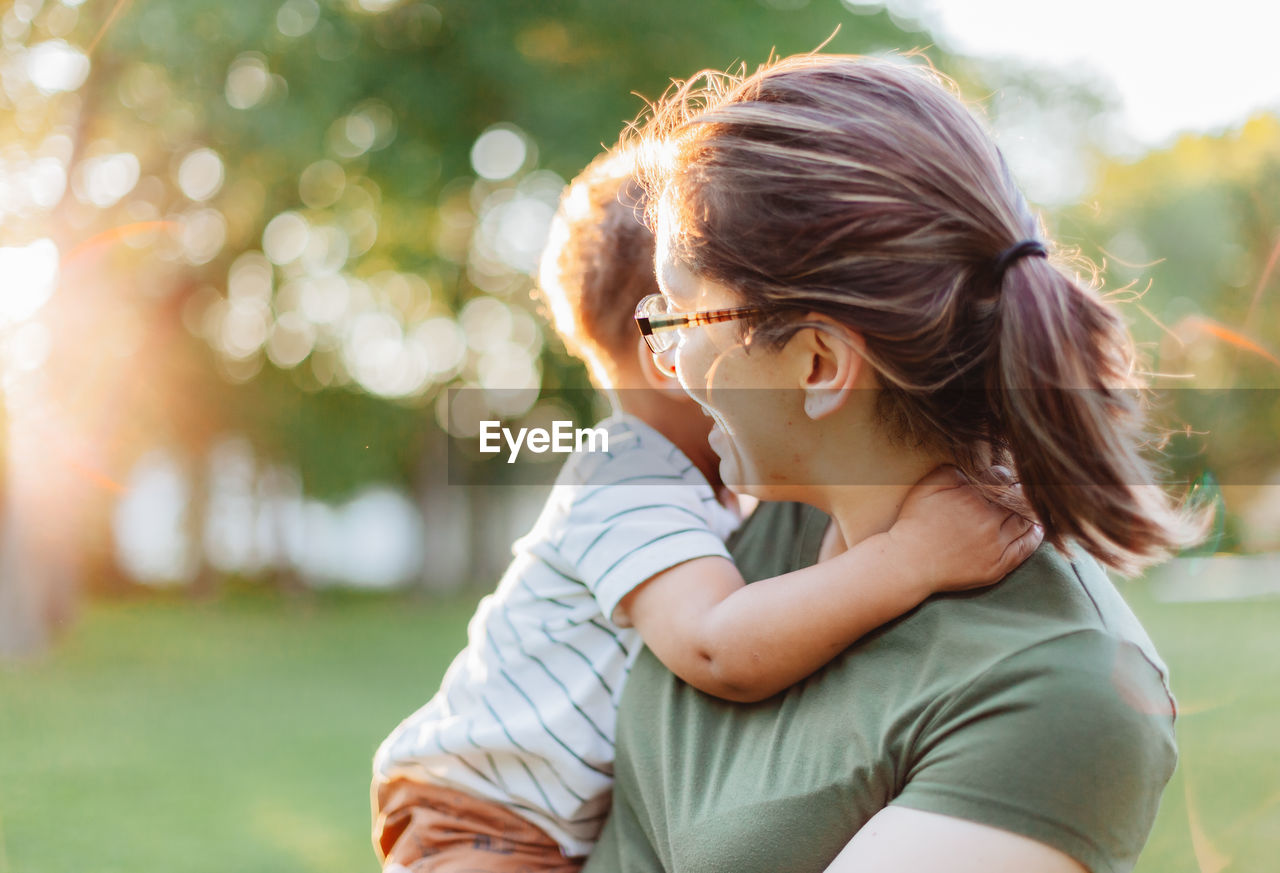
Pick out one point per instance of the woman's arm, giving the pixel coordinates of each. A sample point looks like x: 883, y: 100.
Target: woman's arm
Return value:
x: 748, y: 642
x: 901, y: 840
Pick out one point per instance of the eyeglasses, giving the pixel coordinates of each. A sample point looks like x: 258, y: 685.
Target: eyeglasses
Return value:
x: 658, y: 323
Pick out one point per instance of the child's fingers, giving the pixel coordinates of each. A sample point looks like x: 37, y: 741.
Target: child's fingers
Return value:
x: 1022, y: 547
x: 1014, y: 526
x: 942, y: 477
x: 996, y: 475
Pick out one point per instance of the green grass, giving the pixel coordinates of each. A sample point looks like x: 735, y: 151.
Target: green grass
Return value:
x: 232, y: 735
x: 1221, y: 811
x: 237, y: 734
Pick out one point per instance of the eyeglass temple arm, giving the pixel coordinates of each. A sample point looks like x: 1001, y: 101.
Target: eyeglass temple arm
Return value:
x: 662, y: 322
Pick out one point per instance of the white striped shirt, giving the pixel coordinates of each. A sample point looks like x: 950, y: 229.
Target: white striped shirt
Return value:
x: 525, y: 715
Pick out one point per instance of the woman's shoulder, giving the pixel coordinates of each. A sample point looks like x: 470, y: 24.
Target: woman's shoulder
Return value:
x: 1048, y: 595
x: 1062, y: 594
x: 1069, y: 742
x: 1056, y: 616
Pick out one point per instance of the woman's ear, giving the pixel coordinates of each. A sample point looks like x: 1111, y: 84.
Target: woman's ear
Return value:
x: 658, y: 371
x: 830, y: 359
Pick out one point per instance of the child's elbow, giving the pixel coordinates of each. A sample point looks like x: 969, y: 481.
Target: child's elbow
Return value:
x: 739, y: 694
x: 734, y: 679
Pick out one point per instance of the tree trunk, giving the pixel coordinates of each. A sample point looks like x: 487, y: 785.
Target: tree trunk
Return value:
x: 23, y: 630
x: 38, y: 555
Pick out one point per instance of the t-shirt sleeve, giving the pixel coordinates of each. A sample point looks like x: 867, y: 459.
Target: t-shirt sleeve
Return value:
x: 647, y: 518
x: 1069, y: 743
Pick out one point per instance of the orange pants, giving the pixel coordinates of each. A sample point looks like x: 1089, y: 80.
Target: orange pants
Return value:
x: 430, y: 829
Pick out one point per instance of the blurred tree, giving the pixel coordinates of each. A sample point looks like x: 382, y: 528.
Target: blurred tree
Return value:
x: 1193, y: 231
x: 1214, y: 200
x: 298, y: 221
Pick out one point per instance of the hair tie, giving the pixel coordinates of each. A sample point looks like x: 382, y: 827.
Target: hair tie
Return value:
x: 1026, y: 248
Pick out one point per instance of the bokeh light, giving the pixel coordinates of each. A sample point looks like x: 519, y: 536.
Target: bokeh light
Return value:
x: 297, y: 18
x: 285, y: 237
x: 202, y: 233
x: 326, y: 251
x: 513, y: 227
x: 292, y: 339
x: 446, y: 346
x: 30, y: 275
x: 244, y: 329
x: 322, y: 184
x: 28, y: 183
x: 377, y: 5
x: 248, y: 81
x: 323, y: 301
x: 104, y: 180
x: 486, y: 322
x: 499, y: 152
x: 382, y: 359
x: 250, y: 278
x: 56, y: 66
x: 200, y: 174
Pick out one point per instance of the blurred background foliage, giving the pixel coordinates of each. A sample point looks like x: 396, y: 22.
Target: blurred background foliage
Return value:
x: 277, y: 232
x: 251, y: 246
x: 1189, y: 238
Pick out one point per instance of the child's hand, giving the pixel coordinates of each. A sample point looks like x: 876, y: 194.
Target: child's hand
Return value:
x: 955, y: 538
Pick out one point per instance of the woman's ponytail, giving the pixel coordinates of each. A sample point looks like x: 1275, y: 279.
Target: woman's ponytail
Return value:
x: 1069, y: 409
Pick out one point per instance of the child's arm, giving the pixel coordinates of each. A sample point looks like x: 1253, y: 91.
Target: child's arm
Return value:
x: 748, y: 642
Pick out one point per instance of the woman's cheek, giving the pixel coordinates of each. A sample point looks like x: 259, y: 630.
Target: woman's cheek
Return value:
x: 732, y: 471
x: 736, y: 438
x: 767, y: 449
x: 693, y: 368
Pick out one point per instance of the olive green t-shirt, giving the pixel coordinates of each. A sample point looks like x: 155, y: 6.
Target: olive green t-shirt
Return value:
x: 1037, y: 706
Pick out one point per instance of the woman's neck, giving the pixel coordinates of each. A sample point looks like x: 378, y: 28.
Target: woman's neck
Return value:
x: 860, y: 511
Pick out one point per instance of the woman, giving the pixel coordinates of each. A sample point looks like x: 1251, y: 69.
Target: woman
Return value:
x: 855, y: 291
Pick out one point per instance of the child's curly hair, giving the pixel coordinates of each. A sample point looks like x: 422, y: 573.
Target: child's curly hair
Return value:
x: 598, y: 264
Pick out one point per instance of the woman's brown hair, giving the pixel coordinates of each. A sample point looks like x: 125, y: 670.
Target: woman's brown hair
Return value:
x: 863, y: 189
